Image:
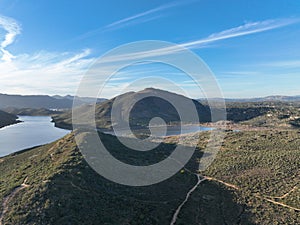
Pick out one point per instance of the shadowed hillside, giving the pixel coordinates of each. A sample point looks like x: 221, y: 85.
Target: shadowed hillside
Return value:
x: 7, y: 119
x: 140, y: 115
x: 249, y: 183
x: 53, y: 184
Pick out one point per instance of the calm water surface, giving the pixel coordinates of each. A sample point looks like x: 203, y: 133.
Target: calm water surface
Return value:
x: 33, y: 131
x: 176, y: 130
x: 171, y: 130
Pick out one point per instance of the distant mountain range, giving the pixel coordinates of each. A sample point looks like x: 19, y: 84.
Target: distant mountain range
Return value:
x: 82, y: 99
x: 41, y: 101
x: 66, y: 102
x: 31, y: 111
x: 272, y: 98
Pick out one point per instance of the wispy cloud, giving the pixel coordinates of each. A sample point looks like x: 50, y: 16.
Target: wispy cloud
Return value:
x: 241, y: 73
x: 44, y: 72
x: 12, y: 29
x: 61, y: 72
x: 243, y: 30
x: 139, y: 18
x: 284, y: 64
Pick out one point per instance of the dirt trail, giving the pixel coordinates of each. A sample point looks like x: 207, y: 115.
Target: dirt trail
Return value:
x: 279, y: 203
x: 222, y: 182
x: 285, y: 195
x: 258, y: 196
x: 186, y: 199
x: 7, y: 199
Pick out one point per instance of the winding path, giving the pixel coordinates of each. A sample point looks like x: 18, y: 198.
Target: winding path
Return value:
x: 279, y: 203
x: 7, y: 199
x: 186, y: 199
x: 259, y: 196
x: 222, y: 182
x: 285, y: 195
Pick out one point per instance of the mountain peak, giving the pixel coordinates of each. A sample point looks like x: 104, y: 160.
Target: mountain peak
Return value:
x: 152, y: 89
x: 157, y: 90
x: 153, y: 103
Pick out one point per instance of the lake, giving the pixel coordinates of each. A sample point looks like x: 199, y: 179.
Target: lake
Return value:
x: 176, y: 130
x: 33, y: 131
x: 172, y: 130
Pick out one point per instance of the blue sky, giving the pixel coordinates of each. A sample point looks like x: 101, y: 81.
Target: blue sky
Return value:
x: 252, y: 47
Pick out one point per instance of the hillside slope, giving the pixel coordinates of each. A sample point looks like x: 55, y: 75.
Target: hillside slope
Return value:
x: 53, y: 184
x: 249, y: 183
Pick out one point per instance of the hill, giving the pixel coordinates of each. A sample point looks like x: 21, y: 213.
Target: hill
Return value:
x: 269, y: 114
x: 254, y: 180
x: 142, y: 112
x: 7, y: 119
x: 274, y: 115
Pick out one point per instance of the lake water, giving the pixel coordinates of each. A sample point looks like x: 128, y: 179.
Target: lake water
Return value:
x: 176, y: 130
x: 33, y: 131
x: 171, y: 130
x: 38, y: 130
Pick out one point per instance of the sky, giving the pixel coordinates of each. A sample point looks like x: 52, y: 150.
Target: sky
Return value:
x: 251, y: 47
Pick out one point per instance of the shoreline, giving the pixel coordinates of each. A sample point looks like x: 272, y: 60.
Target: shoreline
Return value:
x: 10, y: 151
x: 22, y: 151
x: 10, y: 124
